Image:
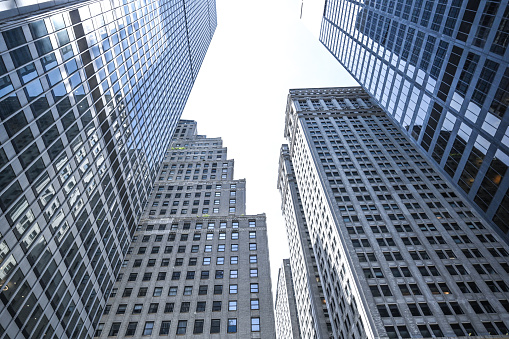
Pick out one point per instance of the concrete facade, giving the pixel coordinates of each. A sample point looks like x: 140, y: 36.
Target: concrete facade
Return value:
x: 287, y: 321
x: 399, y: 252
x: 197, y: 265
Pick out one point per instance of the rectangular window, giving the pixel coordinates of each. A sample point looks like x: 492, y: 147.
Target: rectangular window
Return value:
x: 255, y: 324
x: 198, y: 326
x: 232, y: 325
x: 215, y: 326
x: 149, y: 327
x: 165, y: 328
x: 182, y: 326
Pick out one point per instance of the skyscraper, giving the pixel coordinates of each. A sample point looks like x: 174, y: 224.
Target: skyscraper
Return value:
x: 440, y: 70
x: 90, y: 93
x: 399, y: 252
x: 197, y: 265
x: 285, y: 308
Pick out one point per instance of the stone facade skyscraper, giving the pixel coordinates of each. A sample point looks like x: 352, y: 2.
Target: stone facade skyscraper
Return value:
x: 399, y: 253
x: 90, y: 94
x: 440, y: 69
x: 198, y: 266
x: 285, y: 308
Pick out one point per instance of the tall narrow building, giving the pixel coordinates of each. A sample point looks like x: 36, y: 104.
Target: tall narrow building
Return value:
x: 440, y: 70
x: 285, y: 308
x: 398, y: 251
x: 90, y: 94
x: 198, y: 266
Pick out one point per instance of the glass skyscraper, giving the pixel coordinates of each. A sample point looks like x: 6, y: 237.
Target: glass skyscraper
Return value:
x: 440, y: 70
x: 90, y: 93
x: 390, y: 246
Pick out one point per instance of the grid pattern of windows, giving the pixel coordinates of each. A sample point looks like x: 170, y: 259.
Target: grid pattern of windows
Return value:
x: 408, y: 233
x: 82, y: 90
x: 212, y: 264
x: 442, y: 76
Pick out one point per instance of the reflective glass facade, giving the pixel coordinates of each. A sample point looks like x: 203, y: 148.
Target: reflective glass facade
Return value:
x: 90, y: 94
x: 398, y: 252
x: 440, y: 70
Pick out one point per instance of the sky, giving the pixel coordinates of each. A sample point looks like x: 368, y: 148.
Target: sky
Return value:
x: 240, y: 94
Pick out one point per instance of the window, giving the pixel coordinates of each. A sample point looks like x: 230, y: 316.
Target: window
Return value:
x: 235, y: 235
x: 232, y: 325
x: 137, y: 308
x: 153, y: 308
x: 198, y: 326
x: 204, y: 275
x: 220, y: 248
x: 206, y: 261
x: 175, y: 276
x: 216, y: 306
x: 115, y: 327
x: 132, y: 277
x: 252, y: 223
x: 253, y: 259
x: 188, y: 290
x: 202, y: 290
x: 255, y: 324
x: 234, y: 260
x: 142, y: 291
x: 218, y: 289
x: 165, y: 328
x: 253, y: 273
x: 215, y: 326
x: 168, y: 308
x: 234, y: 247
x: 232, y: 305
x: 254, y: 288
x: 219, y: 274
x: 121, y: 308
x: 165, y: 262
x: 255, y: 304
x: 208, y: 248
x: 200, y: 306
x: 220, y: 261
x: 190, y: 275
x: 127, y: 292
x: 184, y: 307
x: 149, y: 326
x: 252, y: 235
x: 182, y: 326
x: 172, y: 291
x: 158, y: 291
x: 252, y: 247
x: 233, y: 289
x: 234, y: 274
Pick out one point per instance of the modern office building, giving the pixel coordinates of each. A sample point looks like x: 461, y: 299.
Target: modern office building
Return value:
x: 90, y: 94
x: 198, y: 266
x: 285, y: 308
x: 439, y: 69
x: 399, y: 252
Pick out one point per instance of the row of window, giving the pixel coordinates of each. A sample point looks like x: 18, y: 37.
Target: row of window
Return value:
x: 188, y: 290
x: 190, y: 275
x: 181, y: 328
x: 185, y: 307
x: 198, y: 225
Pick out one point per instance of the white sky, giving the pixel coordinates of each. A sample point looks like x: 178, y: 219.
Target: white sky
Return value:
x: 260, y: 50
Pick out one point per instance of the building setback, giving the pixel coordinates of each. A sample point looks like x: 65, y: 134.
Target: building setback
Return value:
x: 287, y: 322
x: 90, y: 94
x: 197, y: 265
x: 439, y: 69
x: 399, y: 252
